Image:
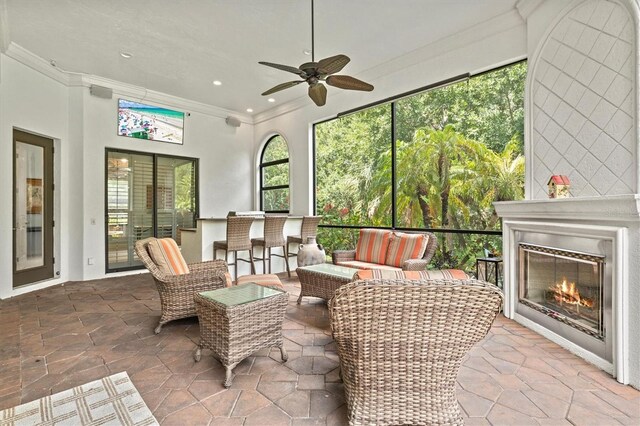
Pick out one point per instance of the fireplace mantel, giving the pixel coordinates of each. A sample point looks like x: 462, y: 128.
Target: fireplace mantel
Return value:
x: 618, y: 208
x: 612, y: 218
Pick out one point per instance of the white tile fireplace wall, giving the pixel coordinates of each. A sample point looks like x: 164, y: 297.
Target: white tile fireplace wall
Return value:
x: 582, y: 121
x: 582, y: 103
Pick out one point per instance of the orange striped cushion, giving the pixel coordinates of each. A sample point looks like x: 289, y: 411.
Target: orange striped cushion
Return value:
x: 267, y: 280
x: 405, y: 246
x: 167, y: 257
x: 228, y: 281
x: 356, y: 264
x: 372, y: 245
x: 452, y: 274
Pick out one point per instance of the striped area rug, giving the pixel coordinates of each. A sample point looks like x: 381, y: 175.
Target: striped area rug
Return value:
x: 109, y: 401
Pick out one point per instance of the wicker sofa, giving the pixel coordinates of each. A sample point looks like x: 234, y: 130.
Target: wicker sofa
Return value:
x: 401, y: 344
x: 355, y: 259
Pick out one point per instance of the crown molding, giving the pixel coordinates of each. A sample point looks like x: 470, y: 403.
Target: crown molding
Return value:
x: 283, y: 109
x: 36, y: 63
x: 527, y: 7
x: 142, y: 94
x: 482, y: 30
x: 138, y: 93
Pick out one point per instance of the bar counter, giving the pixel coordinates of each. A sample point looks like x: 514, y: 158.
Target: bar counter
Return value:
x: 197, y: 243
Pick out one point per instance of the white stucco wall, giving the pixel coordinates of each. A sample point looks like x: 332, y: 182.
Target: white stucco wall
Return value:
x: 35, y: 103
x: 83, y: 126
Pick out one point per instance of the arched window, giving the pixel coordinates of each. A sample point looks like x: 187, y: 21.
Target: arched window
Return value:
x: 274, y: 176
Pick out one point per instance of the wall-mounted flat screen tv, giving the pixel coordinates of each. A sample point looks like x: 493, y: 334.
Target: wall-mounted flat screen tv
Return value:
x: 150, y: 122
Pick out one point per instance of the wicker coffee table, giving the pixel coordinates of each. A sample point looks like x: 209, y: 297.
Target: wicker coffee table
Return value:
x: 322, y: 280
x: 237, y: 321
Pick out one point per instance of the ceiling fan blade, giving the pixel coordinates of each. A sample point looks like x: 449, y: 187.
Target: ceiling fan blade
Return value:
x: 333, y: 64
x: 283, y: 67
x: 348, y: 83
x: 282, y: 87
x: 318, y: 93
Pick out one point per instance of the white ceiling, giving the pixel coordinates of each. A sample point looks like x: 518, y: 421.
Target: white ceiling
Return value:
x: 179, y: 46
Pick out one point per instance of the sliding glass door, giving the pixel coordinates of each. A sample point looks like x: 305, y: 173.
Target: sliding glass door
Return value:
x: 147, y: 195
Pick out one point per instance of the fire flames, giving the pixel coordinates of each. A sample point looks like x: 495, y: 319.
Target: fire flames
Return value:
x: 567, y: 293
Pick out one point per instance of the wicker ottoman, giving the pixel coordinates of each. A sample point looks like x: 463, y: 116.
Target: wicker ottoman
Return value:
x: 322, y: 280
x: 237, y: 321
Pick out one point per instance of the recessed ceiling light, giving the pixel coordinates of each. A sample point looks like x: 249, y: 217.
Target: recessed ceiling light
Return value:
x: 249, y: 110
x: 271, y: 100
x: 217, y: 83
x: 126, y: 55
x: 307, y: 51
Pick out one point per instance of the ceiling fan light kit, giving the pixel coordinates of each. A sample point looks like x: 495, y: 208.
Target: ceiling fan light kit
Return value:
x: 314, y: 73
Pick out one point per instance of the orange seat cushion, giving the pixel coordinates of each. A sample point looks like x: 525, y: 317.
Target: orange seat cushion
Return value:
x: 356, y: 264
x: 167, y: 257
x: 372, y: 245
x: 451, y: 274
x: 405, y: 246
x: 267, y: 280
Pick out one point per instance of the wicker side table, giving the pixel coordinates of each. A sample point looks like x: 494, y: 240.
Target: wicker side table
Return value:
x: 237, y: 321
x: 322, y: 280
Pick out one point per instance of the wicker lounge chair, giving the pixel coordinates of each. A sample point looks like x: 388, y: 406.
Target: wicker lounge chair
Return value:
x: 401, y: 344
x: 177, y: 291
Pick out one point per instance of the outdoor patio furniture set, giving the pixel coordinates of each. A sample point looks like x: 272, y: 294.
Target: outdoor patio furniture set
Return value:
x: 400, y: 333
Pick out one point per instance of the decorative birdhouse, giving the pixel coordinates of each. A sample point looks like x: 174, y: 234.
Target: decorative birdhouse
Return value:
x: 558, y: 186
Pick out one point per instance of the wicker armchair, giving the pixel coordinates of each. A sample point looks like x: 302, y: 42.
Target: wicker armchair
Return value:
x: 339, y: 256
x: 177, y: 291
x: 401, y: 344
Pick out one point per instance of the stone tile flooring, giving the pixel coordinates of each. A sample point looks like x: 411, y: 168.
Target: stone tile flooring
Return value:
x: 65, y: 336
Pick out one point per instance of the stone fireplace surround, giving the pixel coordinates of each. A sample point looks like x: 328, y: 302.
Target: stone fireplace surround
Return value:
x: 612, y: 218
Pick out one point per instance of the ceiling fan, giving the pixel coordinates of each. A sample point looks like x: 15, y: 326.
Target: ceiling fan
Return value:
x: 314, y: 73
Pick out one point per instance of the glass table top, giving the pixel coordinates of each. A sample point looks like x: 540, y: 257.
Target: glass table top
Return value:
x: 240, y: 294
x: 331, y: 269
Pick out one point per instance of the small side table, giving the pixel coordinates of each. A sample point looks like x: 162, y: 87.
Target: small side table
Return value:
x: 490, y: 269
x: 237, y: 321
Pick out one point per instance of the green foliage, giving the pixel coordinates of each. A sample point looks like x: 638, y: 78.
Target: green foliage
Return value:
x: 185, y: 198
x: 276, y: 174
x: 350, y: 152
x: 275, y: 149
x: 458, y: 149
x: 488, y: 108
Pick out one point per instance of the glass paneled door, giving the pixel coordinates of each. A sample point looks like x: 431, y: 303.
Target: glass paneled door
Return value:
x: 148, y: 195
x: 32, y: 208
x: 129, y: 206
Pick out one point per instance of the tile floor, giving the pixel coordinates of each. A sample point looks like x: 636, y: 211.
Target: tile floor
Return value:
x: 65, y: 336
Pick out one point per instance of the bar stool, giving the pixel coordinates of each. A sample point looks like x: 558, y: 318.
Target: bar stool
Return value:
x: 273, y: 237
x: 238, y: 239
x: 309, y: 228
